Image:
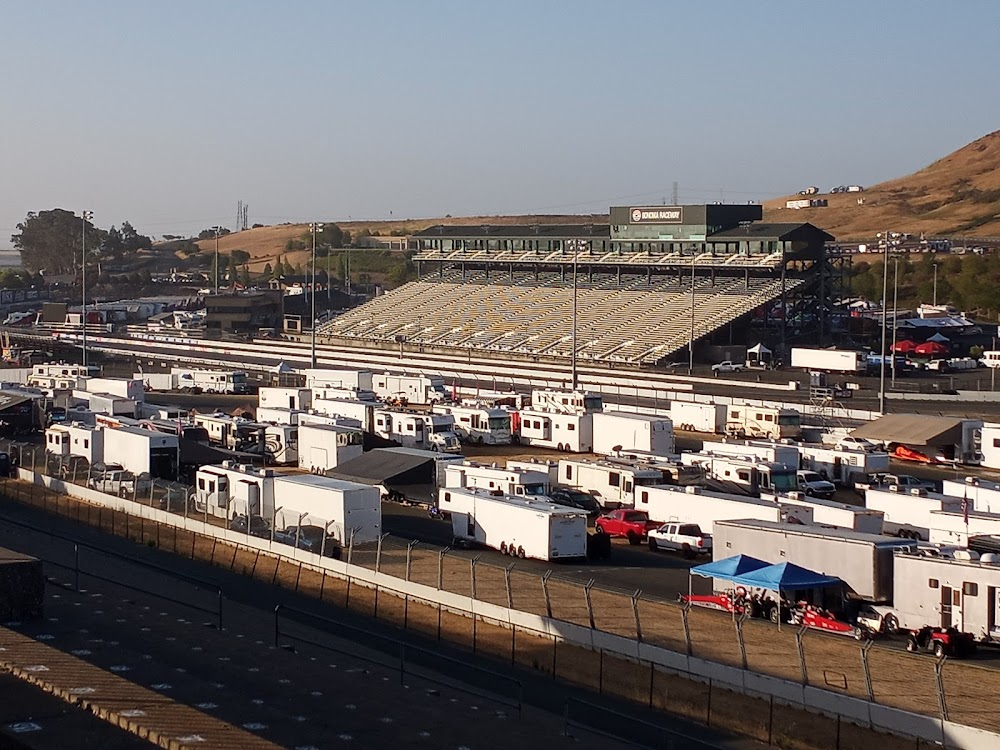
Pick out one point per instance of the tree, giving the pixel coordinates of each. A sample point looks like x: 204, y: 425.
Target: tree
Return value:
x: 208, y: 234
x: 240, y: 257
x: 132, y: 241
x: 268, y: 273
x: 52, y: 241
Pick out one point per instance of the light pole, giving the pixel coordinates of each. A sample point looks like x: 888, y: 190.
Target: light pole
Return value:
x: 85, y: 217
x: 935, y: 284
x: 887, y: 240
x: 217, y: 230
x: 691, y: 340
x: 895, y: 292
x: 575, y: 246
x: 314, y: 227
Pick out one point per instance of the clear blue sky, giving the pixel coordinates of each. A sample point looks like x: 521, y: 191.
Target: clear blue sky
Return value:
x: 168, y: 113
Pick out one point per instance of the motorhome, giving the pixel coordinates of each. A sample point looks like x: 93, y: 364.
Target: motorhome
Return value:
x: 479, y: 424
x: 496, y: 479
x: 209, y: 381
x: 743, y: 475
x: 516, y: 526
x: 572, y: 432
x: 612, y: 482
x: 615, y: 431
x: 763, y: 421
x: 566, y: 402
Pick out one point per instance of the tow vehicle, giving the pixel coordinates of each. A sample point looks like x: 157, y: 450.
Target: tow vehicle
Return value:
x: 941, y: 642
x: 634, y: 525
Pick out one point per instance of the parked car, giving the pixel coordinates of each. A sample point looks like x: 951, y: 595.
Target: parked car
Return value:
x: 259, y: 526
x: 309, y: 538
x: 118, y: 481
x: 878, y: 619
x: 624, y: 522
x: 813, y: 484
x: 574, y: 498
x: 728, y: 366
x: 684, y: 537
x: 851, y: 443
x: 941, y: 642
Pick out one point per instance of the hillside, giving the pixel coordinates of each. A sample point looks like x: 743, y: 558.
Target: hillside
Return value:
x: 955, y: 196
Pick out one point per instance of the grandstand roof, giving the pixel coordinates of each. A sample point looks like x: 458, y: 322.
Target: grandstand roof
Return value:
x: 517, y: 230
x: 767, y: 231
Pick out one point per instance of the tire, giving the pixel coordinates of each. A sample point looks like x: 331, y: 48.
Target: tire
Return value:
x: 775, y: 614
x: 520, y: 553
x: 480, y: 440
x: 911, y: 645
x: 503, y: 548
x: 890, y: 625
x: 633, y: 538
x: 512, y: 550
x: 859, y: 633
x: 652, y: 545
x: 939, y: 649
x: 434, y: 448
x: 687, y: 551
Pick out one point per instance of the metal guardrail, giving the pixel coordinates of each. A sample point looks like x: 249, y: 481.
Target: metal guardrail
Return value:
x: 404, y: 657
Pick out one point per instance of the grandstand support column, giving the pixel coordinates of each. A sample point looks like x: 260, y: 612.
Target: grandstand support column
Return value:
x: 691, y: 338
x: 575, y: 245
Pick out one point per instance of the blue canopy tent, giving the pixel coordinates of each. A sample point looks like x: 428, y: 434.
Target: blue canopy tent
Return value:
x: 732, y: 566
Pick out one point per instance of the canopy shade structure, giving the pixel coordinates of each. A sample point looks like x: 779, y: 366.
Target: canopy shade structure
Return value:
x: 731, y: 566
x: 787, y: 576
x: 904, y: 347
x: 913, y: 429
x: 759, y: 349
x: 939, y: 338
x: 930, y: 348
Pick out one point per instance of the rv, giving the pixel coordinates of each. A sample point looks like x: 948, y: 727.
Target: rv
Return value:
x: 505, y: 481
x: 743, y: 475
x: 209, y: 381
x: 763, y: 421
x: 409, y: 389
x: 479, y: 424
x: 761, y: 450
x: 566, y: 402
x: 517, y: 526
x: 703, y: 507
x: 612, y: 482
x: 616, y: 431
x: 324, y: 446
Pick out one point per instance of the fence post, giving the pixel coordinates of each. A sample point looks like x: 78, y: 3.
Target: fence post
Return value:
x: 687, y: 627
x: 939, y: 677
x: 378, y: 552
x: 441, y: 555
x: 506, y: 583
x: 799, y: 634
x: 220, y: 610
x: 277, y: 609
x: 635, y: 614
x: 472, y: 575
x: 350, y: 546
x: 867, y: 669
x: 409, y: 557
x: 590, y: 607
x: 545, y: 591
x: 738, y: 623
x: 76, y: 567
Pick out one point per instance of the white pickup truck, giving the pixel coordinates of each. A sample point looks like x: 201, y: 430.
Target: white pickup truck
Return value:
x: 728, y: 366
x: 813, y: 484
x: 122, y: 483
x: 685, y: 537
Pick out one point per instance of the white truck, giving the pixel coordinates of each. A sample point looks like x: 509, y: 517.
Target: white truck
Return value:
x: 505, y: 481
x: 771, y: 422
x: 694, y: 417
x: 209, y: 381
x: 612, y: 482
x: 828, y: 360
x: 843, y: 467
x: 409, y: 389
x: 143, y: 451
x: 479, y: 424
x: 325, y: 446
x: 862, y: 561
x: 285, y: 398
x: 615, y: 431
x: 687, y: 538
x: 738, y: 475
x: 704, y: 507
x: 572, y: 432
x: 908, y: 514
x: 517, y: 526
x: 440, y: 434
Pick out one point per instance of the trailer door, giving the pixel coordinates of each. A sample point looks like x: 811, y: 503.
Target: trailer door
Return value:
x: 945, y: 606
x: 993, y: 614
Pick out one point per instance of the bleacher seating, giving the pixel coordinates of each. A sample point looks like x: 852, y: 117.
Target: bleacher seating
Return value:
x: 631, y: 318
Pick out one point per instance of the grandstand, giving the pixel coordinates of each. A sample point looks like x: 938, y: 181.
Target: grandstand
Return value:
x: 642, y: 293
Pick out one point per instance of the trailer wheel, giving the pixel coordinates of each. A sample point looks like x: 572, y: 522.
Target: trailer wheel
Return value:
x: 775, y: 614
x: 511, y: 550
x: 520, y: 552
x: 939, y: 649
x: 890, y: 624
x: 633, y: 538
x: 503, y: 548
x: 911, y: 645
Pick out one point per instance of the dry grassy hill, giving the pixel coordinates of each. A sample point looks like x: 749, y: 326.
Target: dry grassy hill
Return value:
x: 955, y: 196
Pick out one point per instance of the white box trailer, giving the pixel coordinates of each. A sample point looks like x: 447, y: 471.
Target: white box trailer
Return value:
x: 479, y: 424
x: 351, y: 394
x: 770, y: 422
x: 75, y: 439
x: 350, y: 510
x: 278, y: 415
x: 908, y: 513
x: 693, y: 417
x: 132, y: 388
x: 564, y: 432
x: 324, y: 446
x: 286, y: 398
x: 828, y: 360
x: 362, y: 411
x: 159, y: 381
x: 831, y: 513
x: 863, y: 561
x: 762, y: 450
x: 953, y: 529
x: 738, y: 474
x: 947, y: 592
x: 519, y: 526
x: 415, y: 389
x: 107, y: 403
x: 404, y: 427
x: 549, y: 468
x: 703, y: 507
x: 842, y: 466
x: 232, y: 489
x: 566, y: 402
x: 340, y: 379
x: 613, y: 483
x: 143, y: 451
x: 496, y: 479
x: 618, y: 430
x: 984, y: 494
x: 334, y: 419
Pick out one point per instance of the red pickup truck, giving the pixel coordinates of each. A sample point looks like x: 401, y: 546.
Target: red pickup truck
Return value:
x: 631, y: 524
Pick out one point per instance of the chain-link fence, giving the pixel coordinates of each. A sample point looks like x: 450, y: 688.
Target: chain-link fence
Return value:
x: 880, y: 672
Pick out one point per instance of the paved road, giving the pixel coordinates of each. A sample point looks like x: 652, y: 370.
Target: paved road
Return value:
x: 295, y: 699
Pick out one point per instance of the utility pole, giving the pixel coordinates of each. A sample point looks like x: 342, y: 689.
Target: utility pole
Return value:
x: 691, y: 340
x: 312, y: 293
x: 85, y: 216
x: 217, y: 231
x: 887, y: 240
x: 895, y: 297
